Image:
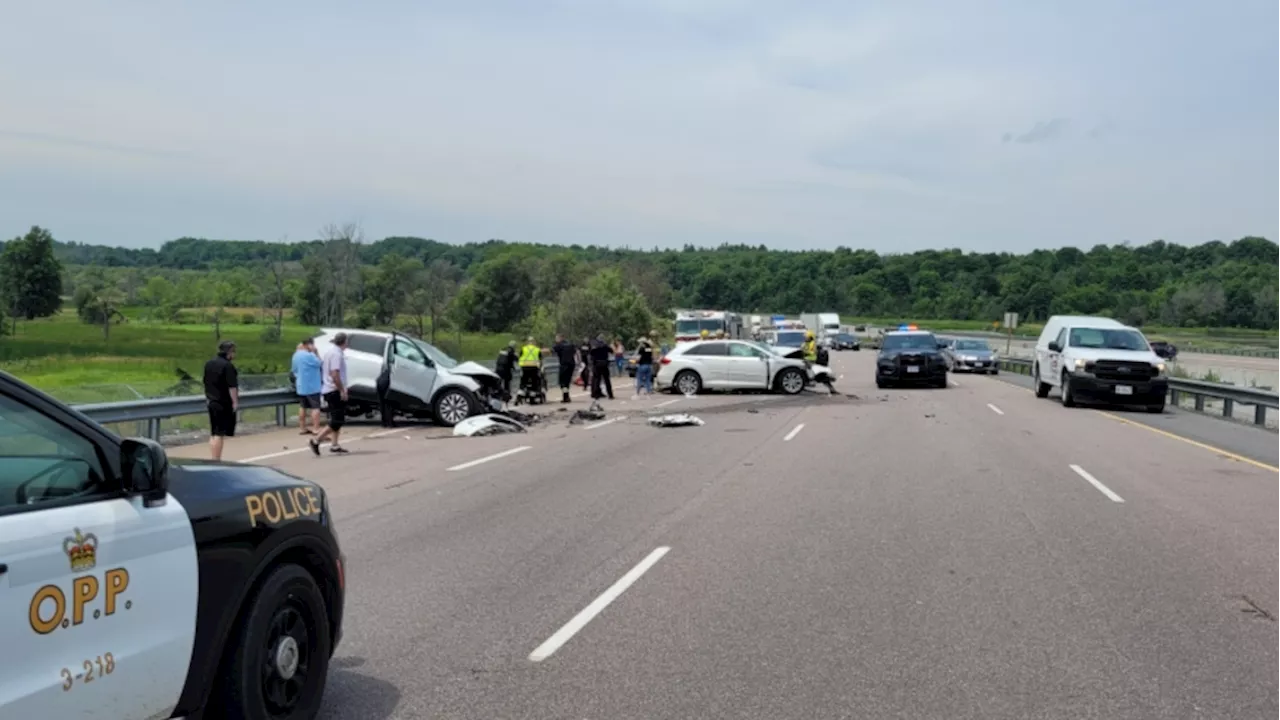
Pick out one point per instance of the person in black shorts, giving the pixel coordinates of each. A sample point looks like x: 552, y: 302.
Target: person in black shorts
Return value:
x: 222, y: 396
x: 334, y: 389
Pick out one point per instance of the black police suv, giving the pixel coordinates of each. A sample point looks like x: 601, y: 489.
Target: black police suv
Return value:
x: 911, y: 357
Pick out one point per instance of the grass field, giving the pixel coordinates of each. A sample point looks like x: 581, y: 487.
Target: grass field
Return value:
x: 70, y: 359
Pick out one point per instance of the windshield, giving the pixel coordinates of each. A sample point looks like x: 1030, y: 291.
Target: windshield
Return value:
x: 695, y: 327
x: 1107, y: 339
x: 972, y: 345
x: 790, y: 338
x: 436, y: 354
x: 923, y: 341
x: 831, y: 326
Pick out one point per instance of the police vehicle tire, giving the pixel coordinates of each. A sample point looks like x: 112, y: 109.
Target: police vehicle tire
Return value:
x: 287, y: 613
x: 791, y: 382
x: 449, y: 405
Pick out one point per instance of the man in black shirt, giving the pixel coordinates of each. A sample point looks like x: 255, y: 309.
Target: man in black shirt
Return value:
x: 600, y: 355
x: 567, y: 356
x: 222, y: 396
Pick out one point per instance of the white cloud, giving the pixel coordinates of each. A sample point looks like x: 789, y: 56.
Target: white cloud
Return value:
x: 645, y: 122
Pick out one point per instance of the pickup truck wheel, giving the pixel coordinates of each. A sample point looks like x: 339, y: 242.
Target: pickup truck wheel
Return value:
x: 1068, y: 399
x: 1042, y: 388
x: 280, y: 659
x: 452, y: 407
x: 791, y: 381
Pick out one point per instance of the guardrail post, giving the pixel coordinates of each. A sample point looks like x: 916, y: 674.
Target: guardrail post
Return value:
x: 1199, y: 403
x: 280, y: 415
x: 153, y: 428
x: 1259, y: 414
x: 1175, y: 397
x: 1228, y: 408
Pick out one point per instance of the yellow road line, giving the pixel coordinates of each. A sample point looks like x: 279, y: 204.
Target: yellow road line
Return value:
x: 1189, y: 441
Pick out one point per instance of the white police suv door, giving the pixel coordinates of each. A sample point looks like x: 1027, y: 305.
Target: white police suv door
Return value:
x: 98, y: 592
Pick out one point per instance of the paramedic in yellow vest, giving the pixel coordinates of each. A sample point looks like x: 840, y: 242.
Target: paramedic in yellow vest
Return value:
x: 530, y: 365
x: 810, y: 347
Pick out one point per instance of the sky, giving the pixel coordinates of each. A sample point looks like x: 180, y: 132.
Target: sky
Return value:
x: 987, y: 125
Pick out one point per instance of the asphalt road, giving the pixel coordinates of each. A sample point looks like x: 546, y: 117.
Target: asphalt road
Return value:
x: 972, y: 552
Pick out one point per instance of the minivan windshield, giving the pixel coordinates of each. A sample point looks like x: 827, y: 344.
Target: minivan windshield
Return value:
x: 921, y: 341
x: 1107, y: 339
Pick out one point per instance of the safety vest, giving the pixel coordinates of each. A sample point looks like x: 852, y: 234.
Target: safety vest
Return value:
x: 529, y: 356
x: 810, y: 350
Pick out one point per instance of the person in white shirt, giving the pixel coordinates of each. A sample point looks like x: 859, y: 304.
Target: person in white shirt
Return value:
x: 334, y: 388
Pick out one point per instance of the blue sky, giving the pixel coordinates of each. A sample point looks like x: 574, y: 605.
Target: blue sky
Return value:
x: 987, y: 125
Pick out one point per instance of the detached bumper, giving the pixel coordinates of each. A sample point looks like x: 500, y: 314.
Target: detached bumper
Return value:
x: 1118, y: 392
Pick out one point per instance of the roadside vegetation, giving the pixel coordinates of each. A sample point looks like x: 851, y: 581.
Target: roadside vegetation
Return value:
x: 82, y: 316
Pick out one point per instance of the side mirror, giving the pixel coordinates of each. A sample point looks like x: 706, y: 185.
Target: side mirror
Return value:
x: 145, y: 468
x: 1055, y: 347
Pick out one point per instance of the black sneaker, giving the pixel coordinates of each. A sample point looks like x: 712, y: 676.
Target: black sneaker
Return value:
x: 338, y: 450
x: 315, y: 446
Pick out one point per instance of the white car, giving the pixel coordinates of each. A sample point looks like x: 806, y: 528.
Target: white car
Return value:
x: 425, y: 382
x: 736, y: 365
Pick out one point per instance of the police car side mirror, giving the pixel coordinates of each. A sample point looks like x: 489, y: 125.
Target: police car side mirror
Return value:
x: 145, y: 468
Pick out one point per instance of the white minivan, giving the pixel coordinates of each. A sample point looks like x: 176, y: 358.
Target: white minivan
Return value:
x: 1097, y: 359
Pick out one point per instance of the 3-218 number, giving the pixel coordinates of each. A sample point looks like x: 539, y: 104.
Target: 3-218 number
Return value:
x: 105, y: 665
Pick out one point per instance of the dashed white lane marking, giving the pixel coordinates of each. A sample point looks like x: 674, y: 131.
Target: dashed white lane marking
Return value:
x: 668, y: 402
x: 995, y: 409
x: 1094, y: 482
x: 304, y: 448
x: 955, y: 384
x: 579, y: 621
x: 794, y: 432
x: 487, y: 458
x: 602, y: 423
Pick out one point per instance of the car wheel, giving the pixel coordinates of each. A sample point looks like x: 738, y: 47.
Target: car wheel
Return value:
x: 452, y: 407
x: 688, y: 382
x: 881, y: 384
x: 791, y: 381
x: 1042, y: 388
x: 280, y: 658
x: 1068, y: 399
x: 1155, y: 409
x: 940, y: 382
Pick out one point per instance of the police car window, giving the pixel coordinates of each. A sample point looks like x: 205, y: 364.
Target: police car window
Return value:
x: 42, y: 460
x: 409, y: 352
x: 743, y: 350
x: 372, y: 344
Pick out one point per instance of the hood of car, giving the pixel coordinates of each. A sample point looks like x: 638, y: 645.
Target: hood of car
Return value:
x: 473, y: 369
x: 794, y: 353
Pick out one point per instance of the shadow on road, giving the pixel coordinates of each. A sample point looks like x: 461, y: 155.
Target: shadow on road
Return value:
x: 350, y: 695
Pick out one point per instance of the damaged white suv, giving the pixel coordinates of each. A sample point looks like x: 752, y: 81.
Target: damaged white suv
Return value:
x: 425, y: 382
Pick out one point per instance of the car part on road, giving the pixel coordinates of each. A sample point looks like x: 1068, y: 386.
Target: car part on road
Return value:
x: 591, y: 414
x: 678, y: 420
x: 490, y: 424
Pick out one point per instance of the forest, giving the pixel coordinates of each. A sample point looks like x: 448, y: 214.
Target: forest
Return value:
x: 499, y: 286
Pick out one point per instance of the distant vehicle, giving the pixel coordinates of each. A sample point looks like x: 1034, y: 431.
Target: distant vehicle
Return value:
x: 425, y: 382
x: 845, y: 341
x: 859, y: 328
x: 1166, y: 350
x: 690, y: 324
x: 822, y: 324
x: 736, y: 365
x: 971, y: 355
x: 910, y: 357
x: 1098, y: 359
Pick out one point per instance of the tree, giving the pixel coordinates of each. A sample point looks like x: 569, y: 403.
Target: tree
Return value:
x: 605, y: 304
x: 274, y: 294
x: 98, y: 301
x: 31, y: 276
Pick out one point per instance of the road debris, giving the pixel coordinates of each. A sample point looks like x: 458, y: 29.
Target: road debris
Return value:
x: 591, y: 414
x: 490, y: 424
x: 678, y: 420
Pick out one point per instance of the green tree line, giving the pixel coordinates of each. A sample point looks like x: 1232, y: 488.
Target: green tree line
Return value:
x: 501, y: 286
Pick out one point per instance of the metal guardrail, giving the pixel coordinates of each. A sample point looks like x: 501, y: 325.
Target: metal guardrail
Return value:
x: 1198, y: 390
x: 1190, y: 347
x: 154, y: 410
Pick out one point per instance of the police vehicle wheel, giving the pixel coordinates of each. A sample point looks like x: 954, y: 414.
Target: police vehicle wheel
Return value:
x: 281, y: 656
x: 791, y: 381
x: 452, y: 407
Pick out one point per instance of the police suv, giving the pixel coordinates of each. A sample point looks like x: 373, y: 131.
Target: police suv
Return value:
x: 132, y: 587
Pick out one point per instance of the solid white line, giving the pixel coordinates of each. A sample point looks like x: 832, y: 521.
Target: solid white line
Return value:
x: 794, y: 432
x: 995, y: 409
x: 602, y: 423
x: 664, y: 404
x: 487, y: 458
x: 1094, y: 482
x: 579, y: 621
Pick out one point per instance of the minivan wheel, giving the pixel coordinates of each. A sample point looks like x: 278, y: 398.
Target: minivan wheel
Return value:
x: 791, y: 381
x: 452, y: 407
x: 1068, y: 399
x: 1042, y: 387
x: 688, y: 382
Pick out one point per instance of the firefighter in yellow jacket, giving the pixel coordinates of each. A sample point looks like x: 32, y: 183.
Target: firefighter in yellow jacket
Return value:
x: 530, y: 366
x: 810, y: 347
